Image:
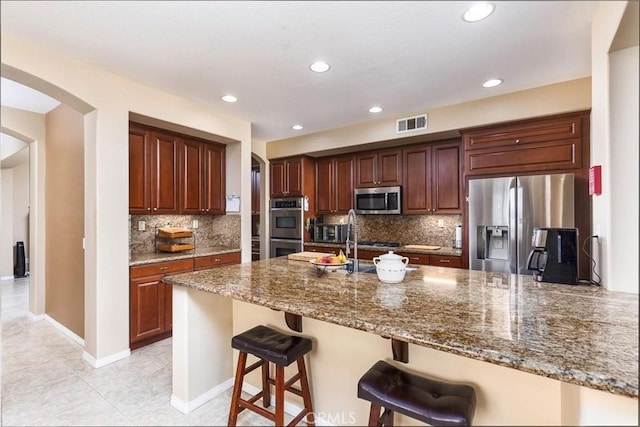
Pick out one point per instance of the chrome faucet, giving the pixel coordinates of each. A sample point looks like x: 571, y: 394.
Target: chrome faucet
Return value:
x: 352, y: 226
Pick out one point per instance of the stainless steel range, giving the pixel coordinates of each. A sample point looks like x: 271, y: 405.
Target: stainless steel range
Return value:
x: 286, y: 225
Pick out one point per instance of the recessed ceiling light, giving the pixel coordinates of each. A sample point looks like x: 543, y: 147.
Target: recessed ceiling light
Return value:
x: 319, y: 67
x: 296, y: 127
x: 492, y: 83
x: 478, y: 12
x: 229, y: 98
x: 375, y: 109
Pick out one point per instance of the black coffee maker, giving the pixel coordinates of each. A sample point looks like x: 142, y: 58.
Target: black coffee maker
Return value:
x: 554, y: 255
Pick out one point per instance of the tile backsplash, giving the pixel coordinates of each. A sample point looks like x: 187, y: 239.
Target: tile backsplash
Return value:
x: 405, y: 229
x: 213, y: 230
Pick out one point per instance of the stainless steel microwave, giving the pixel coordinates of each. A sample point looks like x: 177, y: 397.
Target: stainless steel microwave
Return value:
x: 330, y: 233
x: 378, y: 200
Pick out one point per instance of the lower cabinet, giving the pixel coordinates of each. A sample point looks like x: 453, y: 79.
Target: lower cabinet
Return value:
x: 151, y: 299
x: 437, y: 260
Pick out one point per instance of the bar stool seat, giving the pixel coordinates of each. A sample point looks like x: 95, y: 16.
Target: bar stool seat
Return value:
x: 426, y: 400
x: 271, y: 346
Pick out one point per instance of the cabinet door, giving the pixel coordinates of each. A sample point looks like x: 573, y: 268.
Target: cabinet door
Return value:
x: 324, y: 186
x: 214, y: 179
x: 147, y: 315
x: 389, y: 167
x: 139, y: 171
x: 255, y: 190
x: 416, y: 191
x: 164, y: 173
x: 343, y: 179
x: 366, y: 170
x: 278, y: 184
x: 446, y: 179
x: 294, y: 177
x: 191, y: 193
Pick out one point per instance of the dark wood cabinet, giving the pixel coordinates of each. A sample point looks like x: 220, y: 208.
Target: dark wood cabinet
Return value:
x: 150, y: 305
x: 255, y: 189
x: 334, y: 184
x: 173, y: 174
x: 379, y: 168
x: 212, y: 261
x: 202, y: 184
x: 534, y: 145
x: 432, y: 179
x: 287, y: 177
x: 151, y: 299
x: 153, y: 171
x: 435, y: 260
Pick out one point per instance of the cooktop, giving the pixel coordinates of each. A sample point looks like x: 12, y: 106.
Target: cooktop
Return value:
x: 377, y: 243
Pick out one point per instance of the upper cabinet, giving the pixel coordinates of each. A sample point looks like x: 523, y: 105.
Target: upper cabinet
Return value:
x: 255, y: 189
x: 153, y: 172
x: 292, y: 176
x: 432, y: 178
x: 334, y: 184
x: 379, y: 168
x: 169, y: 174
x: 533, y: 145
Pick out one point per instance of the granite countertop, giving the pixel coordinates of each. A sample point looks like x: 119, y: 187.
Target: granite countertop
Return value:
x: 583, y: 335
x: 448, y: 251
x: 150, y: 258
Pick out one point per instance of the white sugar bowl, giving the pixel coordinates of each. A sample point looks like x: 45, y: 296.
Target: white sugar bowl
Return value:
x: 390, y: 267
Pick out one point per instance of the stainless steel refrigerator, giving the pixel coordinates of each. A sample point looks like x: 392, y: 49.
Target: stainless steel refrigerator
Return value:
x: 503, y: 212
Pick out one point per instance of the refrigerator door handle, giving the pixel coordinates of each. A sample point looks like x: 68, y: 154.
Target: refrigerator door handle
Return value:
x: 513, y: 223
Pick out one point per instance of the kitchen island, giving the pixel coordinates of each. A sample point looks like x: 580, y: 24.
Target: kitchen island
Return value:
x: 572, y: 350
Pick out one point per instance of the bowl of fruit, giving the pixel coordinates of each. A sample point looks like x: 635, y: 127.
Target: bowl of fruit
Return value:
x: 330, y: 263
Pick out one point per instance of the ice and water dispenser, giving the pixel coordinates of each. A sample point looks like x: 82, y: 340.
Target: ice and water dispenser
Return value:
x: 493, y: 242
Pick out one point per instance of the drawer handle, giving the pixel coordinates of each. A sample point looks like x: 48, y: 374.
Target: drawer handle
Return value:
x: 445, y: 260
x: 414, y: 257
x: 216, y: 260
x: 164, y: 268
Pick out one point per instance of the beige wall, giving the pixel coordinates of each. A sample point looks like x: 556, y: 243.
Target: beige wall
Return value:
x: 6, y: 223
x: 64, y: 195
x: 106, y: 100
x: 614, y: 146
x: 14, y: 209
x: 553, y: 99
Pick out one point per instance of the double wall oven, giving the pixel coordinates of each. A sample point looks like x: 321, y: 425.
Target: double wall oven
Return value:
x: 287, y: 226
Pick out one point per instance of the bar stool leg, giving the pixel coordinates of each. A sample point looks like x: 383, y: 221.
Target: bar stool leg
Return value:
x: 306, y: 392
x: 266, y: 387
x: 279, y: 420
x: 374, y: 415
x: 237, y: 389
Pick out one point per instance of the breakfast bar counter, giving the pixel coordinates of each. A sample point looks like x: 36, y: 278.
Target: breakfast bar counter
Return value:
x: 581, y: 335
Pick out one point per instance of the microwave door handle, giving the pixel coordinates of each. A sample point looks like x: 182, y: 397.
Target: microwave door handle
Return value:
x: 386, y: 201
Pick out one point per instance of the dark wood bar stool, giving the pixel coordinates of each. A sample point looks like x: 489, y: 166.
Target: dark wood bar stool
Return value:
x: 281, y: 350
x: 433, y: 402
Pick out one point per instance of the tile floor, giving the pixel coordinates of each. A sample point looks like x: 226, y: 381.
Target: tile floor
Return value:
x: 45, y: 381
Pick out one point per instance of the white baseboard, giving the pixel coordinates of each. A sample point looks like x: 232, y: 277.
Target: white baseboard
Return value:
x: 7, y: 278
x: 99, y: 363
x: 59, y: 326
x: 187, y: 407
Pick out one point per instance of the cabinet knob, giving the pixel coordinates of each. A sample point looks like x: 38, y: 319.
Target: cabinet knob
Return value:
x: 517, y: 141
x: 155, y: 209
x: 148, y: 209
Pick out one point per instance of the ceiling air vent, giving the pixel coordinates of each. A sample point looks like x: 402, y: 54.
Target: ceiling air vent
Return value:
x: 409, y: 124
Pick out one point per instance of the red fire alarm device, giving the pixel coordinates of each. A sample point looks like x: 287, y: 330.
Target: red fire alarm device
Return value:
x: 595, y: 180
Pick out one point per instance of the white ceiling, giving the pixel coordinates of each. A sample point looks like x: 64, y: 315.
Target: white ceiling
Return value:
x: 406, y: 57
